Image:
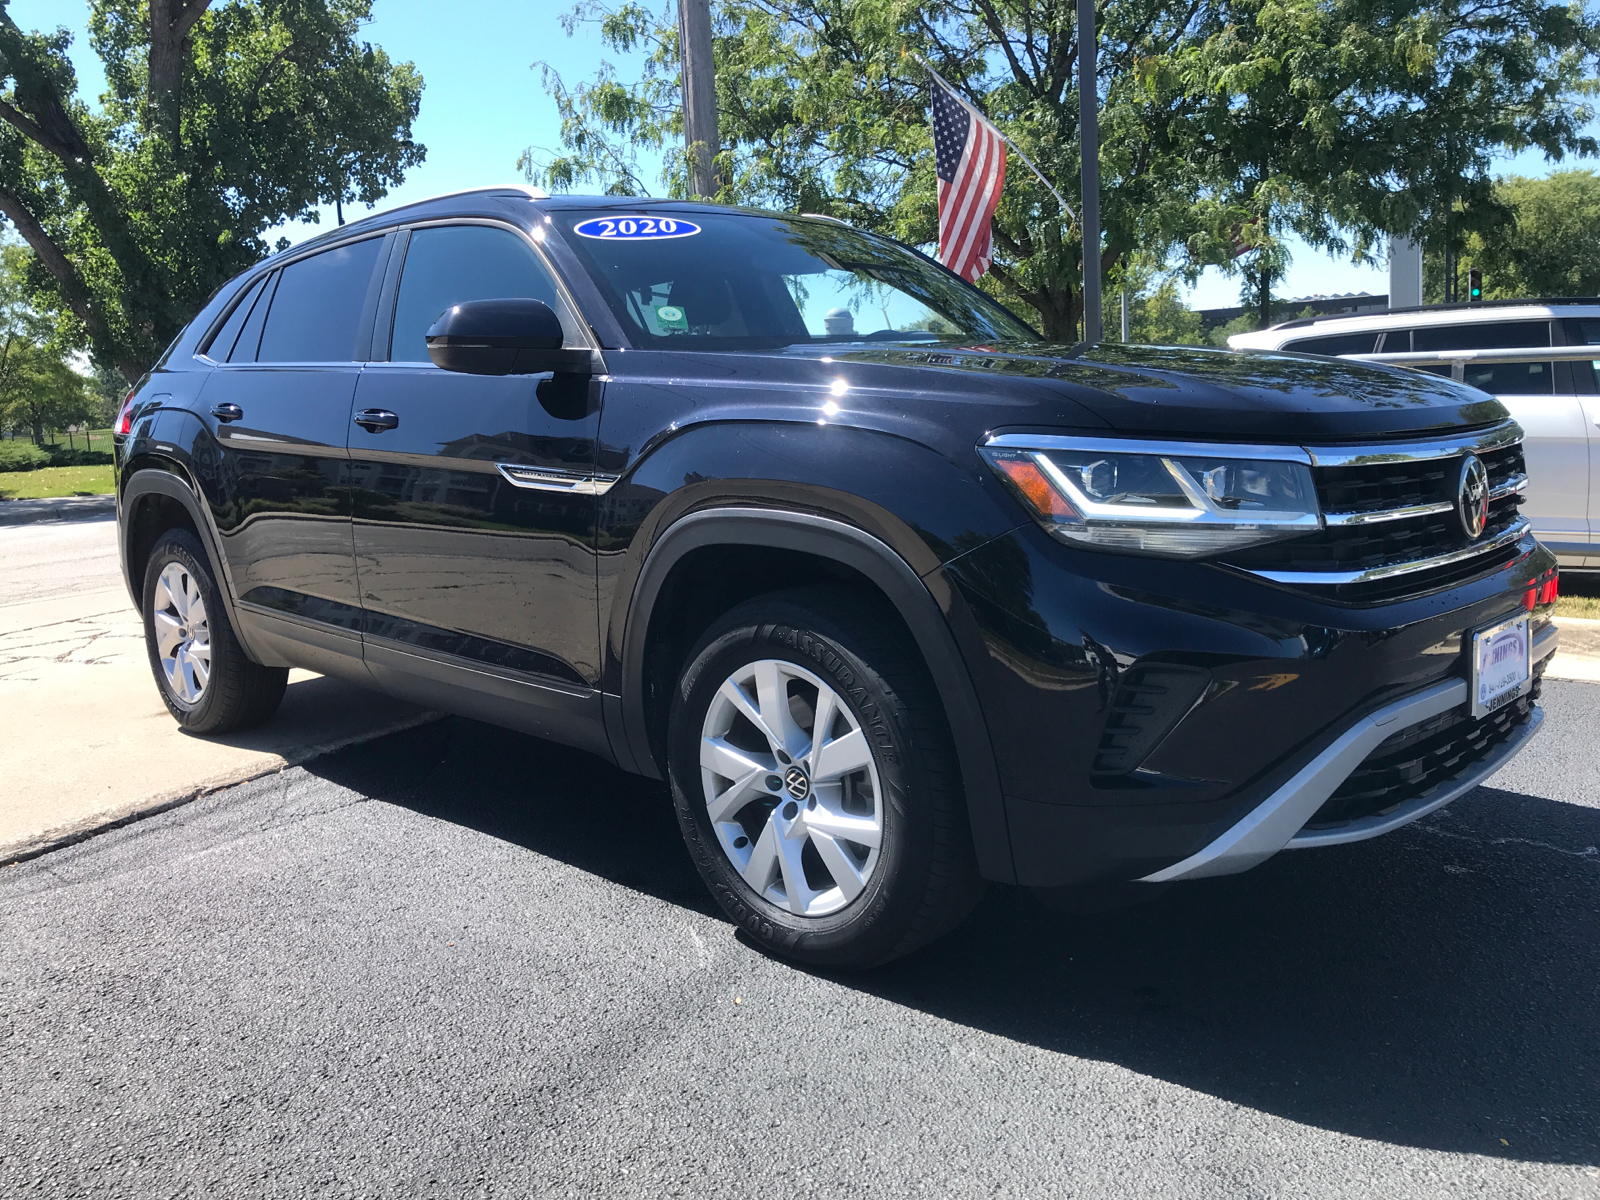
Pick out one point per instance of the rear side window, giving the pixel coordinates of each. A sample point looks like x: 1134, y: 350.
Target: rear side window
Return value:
x: 316, y: 310
x: 1483, y: 336
x: 1512, y: 379
x: 244, y: 350
x: 448, y: 264
x: 222, y: 345
x: 1336, y: 343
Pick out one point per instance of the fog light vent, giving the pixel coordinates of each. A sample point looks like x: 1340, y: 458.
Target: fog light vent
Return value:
x: 1151, y: 699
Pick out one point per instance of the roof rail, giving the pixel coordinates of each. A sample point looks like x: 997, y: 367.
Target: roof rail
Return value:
x: 1460, y: 306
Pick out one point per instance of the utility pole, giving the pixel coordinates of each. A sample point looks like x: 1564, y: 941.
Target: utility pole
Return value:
x: 699, y: 95
x: 1089, y: 142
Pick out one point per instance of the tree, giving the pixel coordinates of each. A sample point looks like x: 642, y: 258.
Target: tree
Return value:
x: 220, y: 122
x: 823, y: 108
x: 1348, y: 119
x: 1548, y: 244
x: 1222, y: 124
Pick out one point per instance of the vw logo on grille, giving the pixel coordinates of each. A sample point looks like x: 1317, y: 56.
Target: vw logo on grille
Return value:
x: 796, y: 783
x: 1472, y: 496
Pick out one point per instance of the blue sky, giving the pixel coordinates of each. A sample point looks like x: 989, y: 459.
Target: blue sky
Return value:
x: 483, y: 103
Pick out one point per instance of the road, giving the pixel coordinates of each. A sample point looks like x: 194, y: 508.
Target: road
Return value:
x: 460, y: 962
x: 60, y: 558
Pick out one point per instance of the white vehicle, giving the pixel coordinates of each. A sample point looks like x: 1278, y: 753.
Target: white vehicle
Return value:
x: 1529, y: 354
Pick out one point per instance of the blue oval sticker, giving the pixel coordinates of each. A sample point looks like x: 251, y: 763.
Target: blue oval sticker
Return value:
x: 635, y: 228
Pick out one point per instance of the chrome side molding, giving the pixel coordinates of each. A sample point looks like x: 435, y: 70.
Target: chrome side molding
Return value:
x: 550, y: 479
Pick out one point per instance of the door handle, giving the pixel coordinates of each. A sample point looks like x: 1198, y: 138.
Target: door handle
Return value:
x: 227, y: 412
x: 376, y: 420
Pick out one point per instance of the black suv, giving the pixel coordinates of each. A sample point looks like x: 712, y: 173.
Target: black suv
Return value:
x: 897, y: 598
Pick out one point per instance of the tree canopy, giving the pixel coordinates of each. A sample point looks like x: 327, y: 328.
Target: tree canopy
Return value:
x: 1546, y: 241
x: 1222, y: 124
x: 220, y: 121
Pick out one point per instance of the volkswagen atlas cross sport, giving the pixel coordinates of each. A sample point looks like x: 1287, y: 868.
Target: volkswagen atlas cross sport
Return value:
x: 898, y: 598
x: 1535, y: 356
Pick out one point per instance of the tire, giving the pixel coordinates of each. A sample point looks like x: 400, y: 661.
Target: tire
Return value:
x: 203, y: 674
x: 778, y: 858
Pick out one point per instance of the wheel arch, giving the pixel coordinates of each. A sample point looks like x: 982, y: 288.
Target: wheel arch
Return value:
x: 159, y: 495
x: 857, y: 555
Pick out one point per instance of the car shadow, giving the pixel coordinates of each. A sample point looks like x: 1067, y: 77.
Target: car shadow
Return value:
x: 1437, y: 988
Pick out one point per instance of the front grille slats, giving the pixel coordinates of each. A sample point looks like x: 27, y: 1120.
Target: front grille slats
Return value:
x: 1364, y: 532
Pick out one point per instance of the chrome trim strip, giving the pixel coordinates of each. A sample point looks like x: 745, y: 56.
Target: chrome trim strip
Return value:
x: 549, y: 479
x: 1047, y: 442
x: 1512, y: 533
x: 1493, y: 438
x: 1516, y: 483
x: 1498, y: 354
x: 1378, y: 516
x: 1513, y: 485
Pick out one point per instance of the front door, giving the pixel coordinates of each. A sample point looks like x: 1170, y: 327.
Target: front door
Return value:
x: 290, y: 357
x: 475, y: 495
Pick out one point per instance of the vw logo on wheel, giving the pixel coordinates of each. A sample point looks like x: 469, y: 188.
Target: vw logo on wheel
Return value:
x: 1472, y: 496
x: 796, y: 783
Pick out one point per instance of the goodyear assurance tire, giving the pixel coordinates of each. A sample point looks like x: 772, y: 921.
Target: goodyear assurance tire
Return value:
x: 814, y: 782
x: 206, y: 680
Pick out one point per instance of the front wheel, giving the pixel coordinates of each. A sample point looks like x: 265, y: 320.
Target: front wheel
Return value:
x: 813, y: 778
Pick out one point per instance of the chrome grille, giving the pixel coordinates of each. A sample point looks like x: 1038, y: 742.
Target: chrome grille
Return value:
x: 1390, y: 522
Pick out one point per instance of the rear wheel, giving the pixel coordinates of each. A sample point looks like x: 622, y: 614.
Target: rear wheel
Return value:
x: 205, y: 678
x: 814, y: 783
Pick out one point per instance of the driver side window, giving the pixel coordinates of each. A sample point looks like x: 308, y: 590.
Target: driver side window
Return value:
x: 448, y: 264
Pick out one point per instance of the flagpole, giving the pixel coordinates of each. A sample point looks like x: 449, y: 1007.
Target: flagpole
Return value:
x: 1089, y: 143
x: 949, y: 88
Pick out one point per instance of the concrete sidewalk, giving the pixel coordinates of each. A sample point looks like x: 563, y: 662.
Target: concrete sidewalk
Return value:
x: 57, y: 508
x: 85, y: 742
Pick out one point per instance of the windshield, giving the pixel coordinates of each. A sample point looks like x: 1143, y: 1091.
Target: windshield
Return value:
x: 704, y: 281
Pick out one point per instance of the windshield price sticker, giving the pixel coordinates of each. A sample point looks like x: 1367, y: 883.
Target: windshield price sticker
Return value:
x: 635, y: 229
x: 1500, y: 665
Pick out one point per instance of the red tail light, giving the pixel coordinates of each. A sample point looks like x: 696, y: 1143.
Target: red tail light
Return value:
x: 1548, y: 593
x: 1542, y: 592
x: 125, y: 417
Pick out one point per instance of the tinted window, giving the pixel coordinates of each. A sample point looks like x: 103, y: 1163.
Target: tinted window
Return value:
x: 222, y: 345
x: 1512, y: 379
x: 317, y: 308
x: 729, y: 281
x: 447, y: 265
x: 1585, y: 375
x: 1338, y: 343
x: 1485, y: 336
x: 244, y: 350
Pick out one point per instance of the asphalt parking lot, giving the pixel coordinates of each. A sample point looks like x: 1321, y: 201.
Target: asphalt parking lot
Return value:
x: 461, y: 962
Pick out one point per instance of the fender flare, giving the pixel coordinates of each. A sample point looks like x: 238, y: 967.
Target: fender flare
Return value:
x: 169, y: 479
x: 854, y: 548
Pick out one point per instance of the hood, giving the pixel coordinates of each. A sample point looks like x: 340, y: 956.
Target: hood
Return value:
x: 1181, y: 391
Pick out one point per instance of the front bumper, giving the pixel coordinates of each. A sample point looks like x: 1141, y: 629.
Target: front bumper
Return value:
x: 1279, y: 821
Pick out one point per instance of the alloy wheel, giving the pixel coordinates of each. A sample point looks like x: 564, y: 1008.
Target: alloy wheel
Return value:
x: 183, y: 635
x: 791, y: 787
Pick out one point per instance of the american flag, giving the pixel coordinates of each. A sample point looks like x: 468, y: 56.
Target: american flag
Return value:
x: 969, y: 157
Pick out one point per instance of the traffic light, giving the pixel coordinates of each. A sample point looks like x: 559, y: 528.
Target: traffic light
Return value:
x: 1474, y: 285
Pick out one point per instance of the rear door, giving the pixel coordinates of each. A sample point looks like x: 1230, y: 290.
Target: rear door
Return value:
x: 475, y: 499
x: 289, y: 357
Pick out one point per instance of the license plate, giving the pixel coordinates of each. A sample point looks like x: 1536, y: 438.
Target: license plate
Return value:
x: 1500, y: 665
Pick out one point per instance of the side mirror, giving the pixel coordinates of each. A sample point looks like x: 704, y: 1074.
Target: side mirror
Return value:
x: 513, y: 336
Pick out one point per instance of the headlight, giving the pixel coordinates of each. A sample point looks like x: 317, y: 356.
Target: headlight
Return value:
x: 1175, y: 499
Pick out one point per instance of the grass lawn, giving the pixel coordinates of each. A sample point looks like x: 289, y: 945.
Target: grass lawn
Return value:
x: 1580, y: 596
x: 55, y: 481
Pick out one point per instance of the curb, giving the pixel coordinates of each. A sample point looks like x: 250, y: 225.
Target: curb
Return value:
x: 149, y: 806
x: 57, y: 508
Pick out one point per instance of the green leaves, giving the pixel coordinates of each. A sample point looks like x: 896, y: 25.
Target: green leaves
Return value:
x: 266, y: 109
